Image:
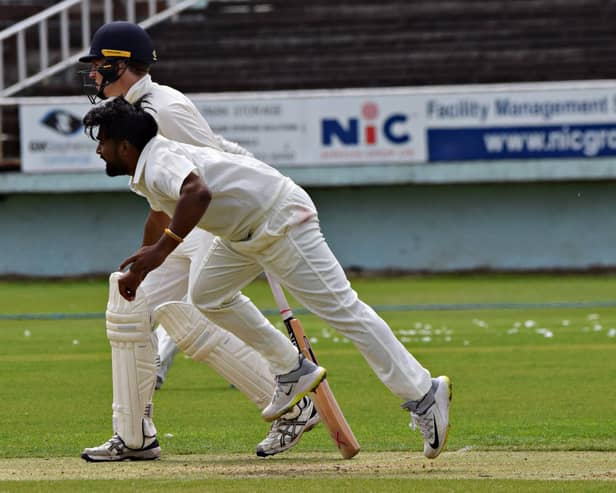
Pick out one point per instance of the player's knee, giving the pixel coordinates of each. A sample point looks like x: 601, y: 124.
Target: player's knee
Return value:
x: 204, y: 305
x: 206, y: 301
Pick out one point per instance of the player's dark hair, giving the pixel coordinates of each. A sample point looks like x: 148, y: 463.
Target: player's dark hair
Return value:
x: 138, y: 68
x: 120, y: 120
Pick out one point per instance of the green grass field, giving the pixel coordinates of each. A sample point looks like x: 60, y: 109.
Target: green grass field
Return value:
x: 532, y: 359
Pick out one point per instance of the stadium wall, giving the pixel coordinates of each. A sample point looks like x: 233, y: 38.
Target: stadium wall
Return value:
x: 435, y: 228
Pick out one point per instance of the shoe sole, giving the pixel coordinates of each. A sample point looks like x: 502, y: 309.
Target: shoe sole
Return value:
x: 150, y: 453
x: 90, y: 458
x: 449, y: 396
x: 298, y: 397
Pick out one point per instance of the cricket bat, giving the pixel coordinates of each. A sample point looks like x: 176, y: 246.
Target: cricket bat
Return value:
x: 323, y: 397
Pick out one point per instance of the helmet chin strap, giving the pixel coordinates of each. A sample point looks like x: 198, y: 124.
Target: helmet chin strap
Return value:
x: 110, y: 71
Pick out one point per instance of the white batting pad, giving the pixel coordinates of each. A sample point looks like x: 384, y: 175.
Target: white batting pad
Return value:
x: 133, y: 361
x: 228, y: 355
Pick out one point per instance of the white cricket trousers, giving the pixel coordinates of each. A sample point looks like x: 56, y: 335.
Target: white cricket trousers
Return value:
x: 290, y: 245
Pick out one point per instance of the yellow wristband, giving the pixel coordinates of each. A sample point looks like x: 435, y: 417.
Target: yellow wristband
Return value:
x: 171, y: 234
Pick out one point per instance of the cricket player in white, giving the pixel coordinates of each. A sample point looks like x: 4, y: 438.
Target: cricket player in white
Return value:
x: 263, y: 221
x: 119, y: 57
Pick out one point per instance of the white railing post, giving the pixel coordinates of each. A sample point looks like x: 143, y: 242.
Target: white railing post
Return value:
x: 1, y: 132
x: 1, y: 66
x: 85, y: 24
x: 43, y: 46
x: 130, y: 10
x: 108, y: 11
x: 64, y: 34
x: 21, y: 55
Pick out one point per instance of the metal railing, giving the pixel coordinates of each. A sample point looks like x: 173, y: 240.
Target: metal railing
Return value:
x: 40, y: 21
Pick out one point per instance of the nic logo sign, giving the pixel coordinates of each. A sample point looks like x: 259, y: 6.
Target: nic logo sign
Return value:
x: 370, y: 133
x: 367, y: 130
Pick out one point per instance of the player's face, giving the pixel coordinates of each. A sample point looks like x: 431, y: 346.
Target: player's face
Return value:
x: 110, y: 90
x: 107, y: 149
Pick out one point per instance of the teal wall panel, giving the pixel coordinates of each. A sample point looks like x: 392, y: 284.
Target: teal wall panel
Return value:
x: 435, y: 228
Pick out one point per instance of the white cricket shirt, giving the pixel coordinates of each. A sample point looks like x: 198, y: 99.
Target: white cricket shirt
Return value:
x: 243, y: 188
x: 176, y: 115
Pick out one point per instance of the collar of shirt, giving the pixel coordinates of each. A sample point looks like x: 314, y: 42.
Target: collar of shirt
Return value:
x: 143, y: 157
x: 139, y: 89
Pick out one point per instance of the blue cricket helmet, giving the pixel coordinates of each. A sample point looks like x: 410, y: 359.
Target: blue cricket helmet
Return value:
x: 114, y: 43
x: 121, y: 39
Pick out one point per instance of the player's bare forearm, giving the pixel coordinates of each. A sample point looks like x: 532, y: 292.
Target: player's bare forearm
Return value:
x: 154, y: 227
x: 194, y: 200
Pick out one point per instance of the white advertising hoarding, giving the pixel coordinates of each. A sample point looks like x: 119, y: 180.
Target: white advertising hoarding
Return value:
x: 288, y: 131
x: 52, y: 139
x: 402, y: 125
x: 320, y: 130
x: 511, y: 123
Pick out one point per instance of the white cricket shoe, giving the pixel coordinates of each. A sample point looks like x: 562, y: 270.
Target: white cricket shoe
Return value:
x: 286, y: 431
x: 115, y: 449
x: 292, y: 386
x: 431, y: 416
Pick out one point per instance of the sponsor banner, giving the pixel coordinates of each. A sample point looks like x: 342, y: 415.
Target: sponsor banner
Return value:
x: 321, y: 130
x: 460, y: 144
x: 367, y: 129
x: 371, y: 126
x: 52, y: 139
x: 512, y: 123
x: 289, y: 130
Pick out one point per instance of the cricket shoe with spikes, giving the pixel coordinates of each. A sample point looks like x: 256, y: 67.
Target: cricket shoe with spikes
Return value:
x: 286, y: 431
x: 115, y: 449
x: 431, y: 415
x: 292, y: 387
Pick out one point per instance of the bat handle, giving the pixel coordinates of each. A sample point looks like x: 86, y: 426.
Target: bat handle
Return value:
x: 281, y: 300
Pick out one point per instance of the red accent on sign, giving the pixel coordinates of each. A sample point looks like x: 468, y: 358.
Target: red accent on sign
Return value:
x: 370, y: 134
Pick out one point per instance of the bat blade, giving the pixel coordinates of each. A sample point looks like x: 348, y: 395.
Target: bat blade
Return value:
x: 324, y: 400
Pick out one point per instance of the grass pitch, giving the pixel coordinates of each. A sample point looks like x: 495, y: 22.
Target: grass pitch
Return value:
x: 532, y: 360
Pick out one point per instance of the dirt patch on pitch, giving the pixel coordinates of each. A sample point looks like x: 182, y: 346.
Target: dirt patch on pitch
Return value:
x: 462, y: 464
